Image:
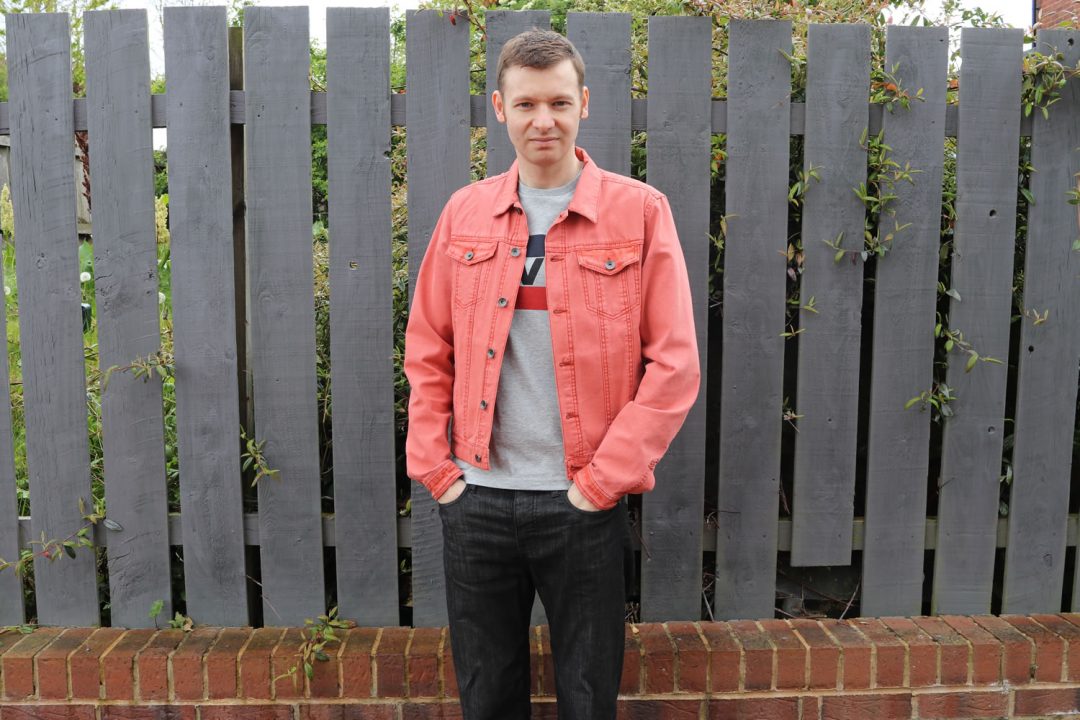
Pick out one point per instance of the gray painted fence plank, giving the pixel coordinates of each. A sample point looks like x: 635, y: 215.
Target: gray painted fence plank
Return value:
x: 501, y: 26
x: 437, y: 116
x: 754, y: 303
x: 126, y: 284
x: 204, y: 322
x: 680, y: 86
x: 50, y: 321
x: 278, y: 174
x: 603, y: 39
x: 1046, y: 385
x: 903, y: 345
x: 827, y: 395
x: 982, y: 262
x: 361, y: 313
x: 12, y: 611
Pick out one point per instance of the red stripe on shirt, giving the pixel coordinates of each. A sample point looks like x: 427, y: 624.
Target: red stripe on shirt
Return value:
x: 531, y: 298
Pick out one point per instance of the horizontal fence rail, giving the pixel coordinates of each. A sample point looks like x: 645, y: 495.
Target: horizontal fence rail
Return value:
x: 478, y: 105
x: 808, y: 362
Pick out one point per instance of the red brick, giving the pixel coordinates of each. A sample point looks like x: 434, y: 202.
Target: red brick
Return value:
x: 857, y: 653
x: 725, y: 657
x: 631, y: 673
x: 355, y: 659
x: 153, y: 662
x: 187, y: 663
x: 758, y: 653
x: 824, y: 654
x: 985, y: 649
x: 890, y: 653
x: 52, y: 663
x: 1049, y: 648
x: 745, y: 708
x: 287, y: 666
x: 254, y: 663
x: 922, y: 651
x: 1070, y: 635
x: 692, y: 657
x: 422, y: 662
x: 1017, y: 648
x: 325, y: 681
x: 18, y: 661
x: 791, y: 654
x: 431, y: 711
x: 118, y: 664
x: 223, y: 663
x: 246, y: 712
x: 975, y: 704
x: 544, y: 709
x: 659, y: 660
x: 810, y: 707
x: 389, y: 658
x: 659, y: 709
x: 1046, y: 701
x: 953, y: 650
x: 536, y: 660
x: 892, y: 706
x: 351, y: 711
x: 47, y: 712
x: 546, y: 661
x: 85, y: 664
x: 148, y: 712
x: 450, y: 685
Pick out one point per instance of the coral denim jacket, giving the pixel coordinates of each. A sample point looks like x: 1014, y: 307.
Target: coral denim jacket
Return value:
x: 622, y: 331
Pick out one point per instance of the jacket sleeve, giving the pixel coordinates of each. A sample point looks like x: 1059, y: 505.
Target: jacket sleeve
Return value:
x: 642, y: 431
x: 429, y: 367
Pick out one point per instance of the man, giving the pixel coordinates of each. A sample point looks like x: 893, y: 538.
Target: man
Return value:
x: 552, y: 326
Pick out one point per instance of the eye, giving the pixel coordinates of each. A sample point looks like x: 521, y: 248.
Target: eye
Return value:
x: 524, y: 105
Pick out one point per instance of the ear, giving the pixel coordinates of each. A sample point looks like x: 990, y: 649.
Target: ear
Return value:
x: 584, y: 102
x: 497, y: 104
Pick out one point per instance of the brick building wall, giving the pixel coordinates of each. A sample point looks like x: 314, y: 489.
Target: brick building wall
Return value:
x: 1051, y: 13
x: 892, y: 668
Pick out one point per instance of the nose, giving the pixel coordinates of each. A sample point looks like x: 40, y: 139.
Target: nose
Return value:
x: 544, y: 120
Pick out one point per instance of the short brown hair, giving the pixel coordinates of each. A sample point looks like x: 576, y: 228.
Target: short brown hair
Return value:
x: 539, y: 49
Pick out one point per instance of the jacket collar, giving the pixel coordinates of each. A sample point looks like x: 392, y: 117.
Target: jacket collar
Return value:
x: 586, y: 195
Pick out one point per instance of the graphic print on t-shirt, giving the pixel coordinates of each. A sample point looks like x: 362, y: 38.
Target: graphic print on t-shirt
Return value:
x: 532, y: 295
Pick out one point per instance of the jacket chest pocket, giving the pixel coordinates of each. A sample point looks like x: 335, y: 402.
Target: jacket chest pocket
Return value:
x: 473, y: 263
x: 611, y: 279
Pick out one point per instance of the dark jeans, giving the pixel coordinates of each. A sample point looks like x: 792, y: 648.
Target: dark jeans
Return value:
x: 499, y: 547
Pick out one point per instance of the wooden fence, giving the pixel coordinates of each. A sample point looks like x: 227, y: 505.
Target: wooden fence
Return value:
x: 276, y: 110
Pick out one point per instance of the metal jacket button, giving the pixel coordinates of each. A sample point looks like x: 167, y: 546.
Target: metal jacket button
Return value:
x: 502, y: 302
x: 469, y: 255
x: 477, y: 458
x: 610, y: 264
x: 491, y: 352
x: 515, y: 251
x: 483, y: 404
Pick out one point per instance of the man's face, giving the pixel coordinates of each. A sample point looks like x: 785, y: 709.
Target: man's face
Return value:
x: 542, y: 109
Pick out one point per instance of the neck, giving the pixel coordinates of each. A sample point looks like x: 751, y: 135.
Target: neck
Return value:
x: 551, y: 176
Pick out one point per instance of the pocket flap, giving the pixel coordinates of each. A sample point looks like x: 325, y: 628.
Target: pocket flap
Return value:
x: 470, y: 252
x: 609, y: 261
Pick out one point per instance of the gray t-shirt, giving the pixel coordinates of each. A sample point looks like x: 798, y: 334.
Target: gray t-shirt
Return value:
x: 526, y: 437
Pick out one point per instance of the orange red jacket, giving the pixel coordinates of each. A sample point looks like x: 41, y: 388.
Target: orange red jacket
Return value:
x: 622, y: 331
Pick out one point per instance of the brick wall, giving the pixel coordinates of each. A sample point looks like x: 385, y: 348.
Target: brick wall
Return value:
x: 925, y: 667
x: 1053, y: 12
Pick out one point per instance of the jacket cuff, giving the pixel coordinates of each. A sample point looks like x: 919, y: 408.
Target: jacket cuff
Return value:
x: 442, y: 477
x: 586, y: 482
